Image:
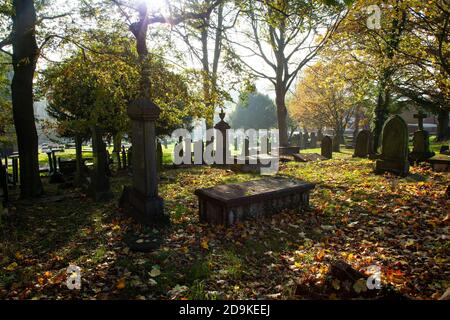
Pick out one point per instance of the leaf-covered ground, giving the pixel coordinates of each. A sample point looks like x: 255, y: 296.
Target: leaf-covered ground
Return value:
x: 399, y: 224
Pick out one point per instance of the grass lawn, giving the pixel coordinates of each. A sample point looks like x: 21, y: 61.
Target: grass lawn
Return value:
x: 400, y: 225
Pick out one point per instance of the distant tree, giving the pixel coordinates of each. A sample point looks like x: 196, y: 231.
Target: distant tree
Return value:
x: 283, y: 36
x: 256, y: 112
x: 324, y: 99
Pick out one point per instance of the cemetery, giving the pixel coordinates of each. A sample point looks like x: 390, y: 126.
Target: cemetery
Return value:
x: 161, y: 183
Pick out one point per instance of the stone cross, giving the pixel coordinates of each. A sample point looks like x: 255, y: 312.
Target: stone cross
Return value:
x: 420, y: 116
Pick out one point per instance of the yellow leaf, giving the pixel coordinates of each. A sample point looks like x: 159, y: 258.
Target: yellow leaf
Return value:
x: 12, y: 266
x: 336, y: 284
x: 19, y: 255
x: 204, y: 244
x: 121, y: 283
x: 360, y: 286
x: 320, y: 255
x: 155, y: 271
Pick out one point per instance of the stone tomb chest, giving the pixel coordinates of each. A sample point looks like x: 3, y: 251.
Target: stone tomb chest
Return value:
x: 231, y: 203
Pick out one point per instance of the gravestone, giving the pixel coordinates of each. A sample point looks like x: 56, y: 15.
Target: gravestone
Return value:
x: 363, y: 145
x: 313, y: 142
x: 394, y: 147
x: 222, y: 126
x: 232, y: 203
x: 306, y: 140
x: 296, y: 140
x: 307, y: 157
x: 319, y: 135
x: 445, y: 149
x: 301, y: 141
x: 159, y: 155
x: 336, y: 144
x: 99, y: 188
x: 124, y: 158
x: 327, y: 147
x: 3, y: 184
x: 421, y: 147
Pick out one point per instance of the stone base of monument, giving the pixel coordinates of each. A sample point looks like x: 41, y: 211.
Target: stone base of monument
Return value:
x: 145, y: 210
x: 252, y: 163
x: 307, y: 157
x: 415, y: 157
x: 397, y: 167
x: 231, y: 203
x: 97, y: 195
x: 440, y: 163
x: 287, y: 151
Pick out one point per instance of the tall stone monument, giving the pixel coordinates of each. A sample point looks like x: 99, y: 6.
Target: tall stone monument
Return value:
x: 222, y: 127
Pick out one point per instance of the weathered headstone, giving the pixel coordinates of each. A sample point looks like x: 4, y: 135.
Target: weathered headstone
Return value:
x: 124, y: 157
x: 99, y: 187
x: 445, y: 149
x: 327, y: 147
x: 363, y: 145
x: 306, y: 140
x: 421, y: 147
x: 159, y: 155
x: 394, y: 147
x: 296, y: 140
x: 313, y: 142
x: 336, y: 143
x: 3, y: 184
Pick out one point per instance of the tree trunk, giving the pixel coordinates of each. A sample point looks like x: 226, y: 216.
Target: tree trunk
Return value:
x: 117, y: 143
x: 381, y: 114
x: 356, y: 125
x: 25, y: 54
x: 443, y: 133
x: 282, y: 117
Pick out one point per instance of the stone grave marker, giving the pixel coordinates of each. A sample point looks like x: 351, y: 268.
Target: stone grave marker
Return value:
x: 313, y: 142
x: 421, y: 147
x: 336, y: 144
x: 394, y: 147
x: 363, y: 145
x: 327, y: 147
